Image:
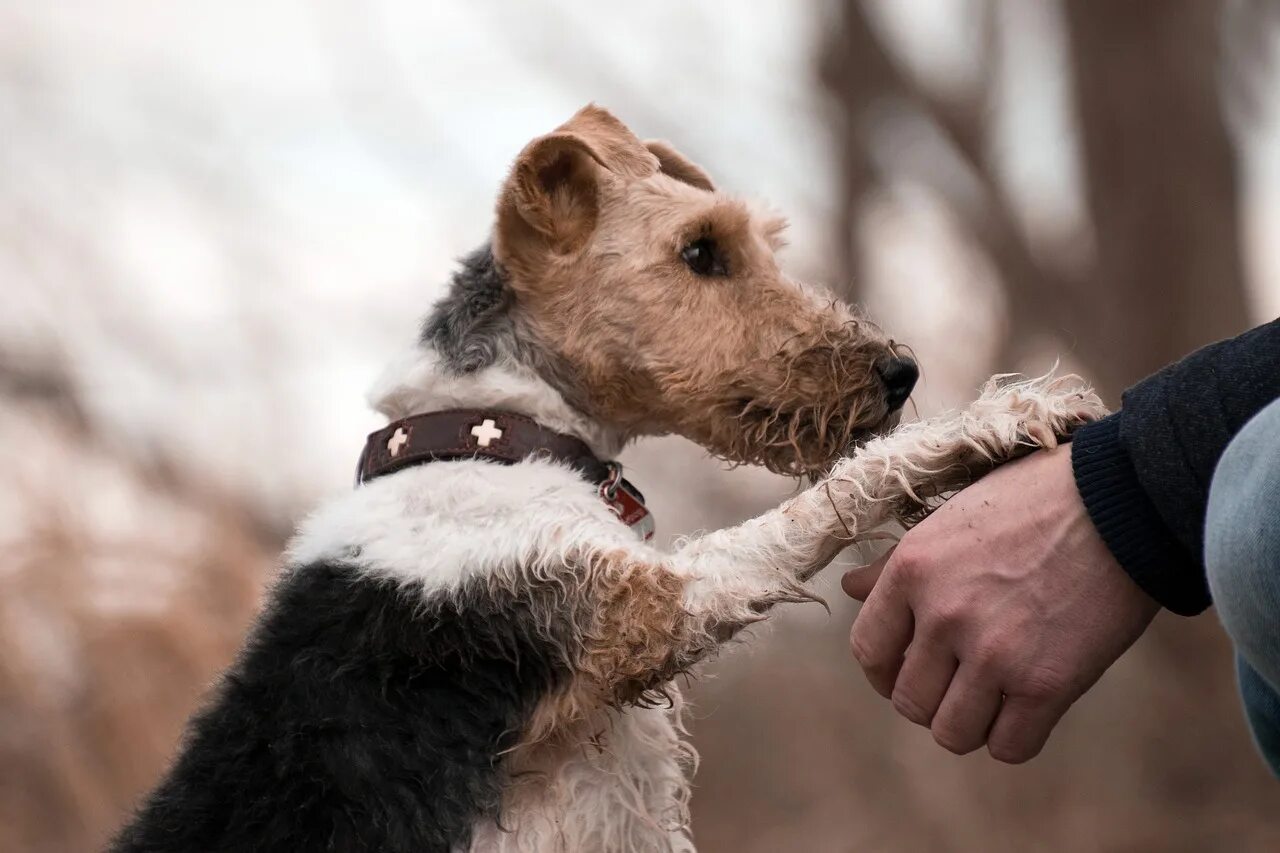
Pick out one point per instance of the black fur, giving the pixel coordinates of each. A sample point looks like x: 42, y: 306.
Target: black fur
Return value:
x: 472, y: 326
x: 360, y: 716
x: 478, y: 323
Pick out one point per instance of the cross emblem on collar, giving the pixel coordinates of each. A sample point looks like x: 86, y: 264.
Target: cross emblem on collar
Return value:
x: 397, y: 442
x: 485, y: 432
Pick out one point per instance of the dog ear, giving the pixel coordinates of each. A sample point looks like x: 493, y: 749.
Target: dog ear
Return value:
x: 553, y: 192
x: 673, y: 163
x: 617, y: 148
x: 552, y: 198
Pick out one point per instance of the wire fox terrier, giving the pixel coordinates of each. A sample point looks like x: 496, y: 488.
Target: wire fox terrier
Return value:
x: 478, y: 653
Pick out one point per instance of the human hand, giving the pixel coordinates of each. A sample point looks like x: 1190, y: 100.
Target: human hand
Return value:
x: 997, y: 612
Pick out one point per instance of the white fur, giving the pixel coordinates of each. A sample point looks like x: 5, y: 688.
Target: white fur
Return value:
x: 618, y: 781
x: 436, y: 526
x: 441, y: 524
x: 624, y: 787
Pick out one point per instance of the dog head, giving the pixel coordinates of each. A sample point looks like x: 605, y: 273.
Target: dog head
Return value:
x: 663, y: 306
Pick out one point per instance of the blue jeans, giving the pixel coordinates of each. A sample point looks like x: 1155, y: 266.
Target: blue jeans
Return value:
x: 1242, y: 558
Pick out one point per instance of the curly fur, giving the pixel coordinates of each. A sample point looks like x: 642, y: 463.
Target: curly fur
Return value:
x: 466, y: 655
x: 796, y: 425
x: 586, y: 628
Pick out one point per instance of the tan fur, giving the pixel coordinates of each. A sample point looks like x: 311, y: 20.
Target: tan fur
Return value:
x: 787, y: 377
x: 595, y: 231
x: 631, y: 634
x: 646, y: 616
x: 592, y: 228
x: 675, y: 164
x: 654, y: 615
x: 629, y: 620
x: 638, y: 621
x: 638, y: 618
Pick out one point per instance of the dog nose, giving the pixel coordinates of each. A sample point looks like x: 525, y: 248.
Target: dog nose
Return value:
x: 899, y: 376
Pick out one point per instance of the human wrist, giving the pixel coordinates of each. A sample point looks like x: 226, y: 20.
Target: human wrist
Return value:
x: 1127, y: 520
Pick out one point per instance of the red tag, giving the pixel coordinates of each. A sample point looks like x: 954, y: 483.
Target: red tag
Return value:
x: 628, y: 508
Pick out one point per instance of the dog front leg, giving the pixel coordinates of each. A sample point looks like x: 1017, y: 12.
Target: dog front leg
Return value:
x: 898, y: 477
x: 648, y: 616
x: 654, y: 615
x: 664, y: 612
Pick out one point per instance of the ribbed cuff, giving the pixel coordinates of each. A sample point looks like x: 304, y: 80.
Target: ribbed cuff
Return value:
x: 1128, y: 521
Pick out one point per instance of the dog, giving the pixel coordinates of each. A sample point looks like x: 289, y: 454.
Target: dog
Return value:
x: 475, y: 648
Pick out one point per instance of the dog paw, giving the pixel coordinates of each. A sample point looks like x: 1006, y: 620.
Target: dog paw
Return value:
x: 920, y: 461
x: 1034, y: 413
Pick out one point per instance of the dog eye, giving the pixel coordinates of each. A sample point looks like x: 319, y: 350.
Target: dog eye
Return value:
x: 704, y: 258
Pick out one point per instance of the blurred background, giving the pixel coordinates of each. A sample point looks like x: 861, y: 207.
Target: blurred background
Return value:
x: 218, y: 221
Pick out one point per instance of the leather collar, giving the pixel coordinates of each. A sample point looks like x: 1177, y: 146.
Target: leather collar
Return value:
x: 501, y: 437
x: 469, y: 434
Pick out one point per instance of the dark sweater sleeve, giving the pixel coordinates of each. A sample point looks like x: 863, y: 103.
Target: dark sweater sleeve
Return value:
x: 1144, y: 472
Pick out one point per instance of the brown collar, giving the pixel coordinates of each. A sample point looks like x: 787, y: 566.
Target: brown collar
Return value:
x: 468, y: 434
x: 502, y: 437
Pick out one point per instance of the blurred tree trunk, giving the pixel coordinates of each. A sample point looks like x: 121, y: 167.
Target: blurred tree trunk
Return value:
x: 1159, y: 173
x: 1160, y: 180
x: 1161, y: 183
x: 854, y: 67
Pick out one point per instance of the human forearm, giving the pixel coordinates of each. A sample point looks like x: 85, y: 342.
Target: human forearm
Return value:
x: 1144, y: 472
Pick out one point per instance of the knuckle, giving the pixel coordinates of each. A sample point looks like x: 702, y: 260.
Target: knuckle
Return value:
x: 881, y: 684
x: 906, y: 565
x: 861, y: 652
x: 1008, y: 753
x: 910, y: 708
x: 989, y: 657
x: 878, y: 672
x: 952, y: 740
x: 1041, y: 688
x: 878, y: 666
x: 945, y: 619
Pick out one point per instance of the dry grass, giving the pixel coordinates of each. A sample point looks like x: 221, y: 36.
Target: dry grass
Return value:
x: 120, y: 600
